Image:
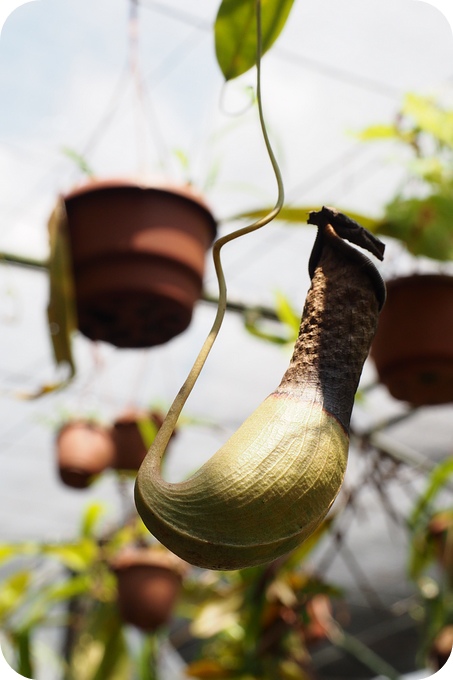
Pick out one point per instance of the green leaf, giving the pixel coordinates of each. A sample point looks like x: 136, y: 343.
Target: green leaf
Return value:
x: 440, y: 476
x: 61, y: 310
x: 101, y: 652
x: 287, y: 314
x: 77, y: 556
x: 148, y: 659
x: 40, y: 606
x: 12, y: 591
x: 430, y: 118
x: 358, y: 650
x: 148, y: 430
x: 183, y: 159
x: 423, y: 225
x: 251, y: 324
x: 91, y: 518
x: 68, y: 589
x: 9, y: 551
x: 79, y: 160
x: 299, y: 215
x: 22, y: 643
x: 235, y: 32
x: 376, y: 132
x: 430, y: 170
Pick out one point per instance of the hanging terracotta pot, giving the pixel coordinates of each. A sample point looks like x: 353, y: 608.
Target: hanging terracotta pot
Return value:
x: 84, y: 450
x: 130, y: 447
x: 441, y: 648
x: 413, y: 346
x: 440, y: 532
x: 149, y: 582
x: 320, y: 616
x: 138, y: 254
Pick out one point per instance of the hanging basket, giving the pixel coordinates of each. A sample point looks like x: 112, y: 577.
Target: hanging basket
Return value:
x: 138, y: 256
x: 413, y: 346
x: 84, y: 450
x: 130, y: 445
x: 149, y: 582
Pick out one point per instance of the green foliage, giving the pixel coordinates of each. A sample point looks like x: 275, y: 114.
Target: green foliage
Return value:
x: 256, y: 623
x: 90, y: 520
x: 437, y: 481
x: 235, y: 32
x: 30, y: 599
x: 79, y: 160
x: 430, y: 562
x: 428, y: 118
x: 420, y: 215
x: 422, y: 549
x: 287, y: 316
x: 379, y: 132
x: 13, y: 591
x: 421, y: 119
x: 297, y: 215
x: 424, y: 225
x: 61, y: 311
x: 100, y: 652
x: 77, y: 557
x: 22, y: 641
x: 148, y: 430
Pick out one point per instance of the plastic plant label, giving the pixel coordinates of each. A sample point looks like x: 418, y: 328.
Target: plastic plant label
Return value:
x: 7, y: 7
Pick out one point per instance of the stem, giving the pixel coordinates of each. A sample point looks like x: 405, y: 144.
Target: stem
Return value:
x: 361, y: 652
x: 168, y: 426
x: 242, y: 308
x: 22, y: 261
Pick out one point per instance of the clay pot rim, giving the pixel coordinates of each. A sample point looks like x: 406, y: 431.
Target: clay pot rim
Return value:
x: 132, y: 416
x: 160, y: 185
x: 82, y: 423
x: 422, y: 278
x: 149, y: 557
x: 440, y: 522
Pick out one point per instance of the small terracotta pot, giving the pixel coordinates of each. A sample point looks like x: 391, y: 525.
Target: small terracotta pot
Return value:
x: 319, y: 611
x: 138, y: 256
x: 149, y: 582
x: 413, y: 346
x: 440, y: 529
x: 84, y: 450
x: 130, y: 449
x: 441, y: 648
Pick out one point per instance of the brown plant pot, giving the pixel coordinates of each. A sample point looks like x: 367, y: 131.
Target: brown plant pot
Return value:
x: 138, y: 255
x: 84, y: 450
x: 441, y: 648
x: 413, y: 346
x: 149, y: 582
x: 320, y: 616
x: 130, y: 449
x: 440, y: 530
